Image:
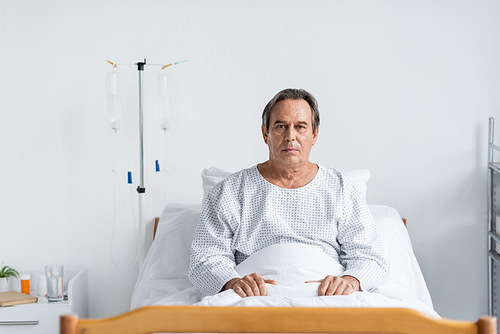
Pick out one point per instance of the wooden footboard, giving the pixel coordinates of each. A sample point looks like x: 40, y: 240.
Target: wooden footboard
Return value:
x: 192, y: 319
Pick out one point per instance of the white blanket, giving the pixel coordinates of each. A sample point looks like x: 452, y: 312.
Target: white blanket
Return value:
x: 291, y: 265
x: 163, y: 277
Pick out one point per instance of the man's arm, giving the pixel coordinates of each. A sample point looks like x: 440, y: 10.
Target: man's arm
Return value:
x: 361, y: 248
x: 212, y: 262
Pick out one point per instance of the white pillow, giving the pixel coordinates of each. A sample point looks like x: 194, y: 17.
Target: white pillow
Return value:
x: 212, y: 176
x: 165, y: 268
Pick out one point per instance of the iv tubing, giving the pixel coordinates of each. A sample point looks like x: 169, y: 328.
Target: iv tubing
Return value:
x: 114, y: 214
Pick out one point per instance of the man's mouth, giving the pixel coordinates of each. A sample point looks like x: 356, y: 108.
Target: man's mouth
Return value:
x: 290, y: 150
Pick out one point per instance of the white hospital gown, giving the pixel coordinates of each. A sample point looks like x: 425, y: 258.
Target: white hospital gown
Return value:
x: 245, y: 213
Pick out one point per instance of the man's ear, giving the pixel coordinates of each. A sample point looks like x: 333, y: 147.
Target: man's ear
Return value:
x: 264, y: 133
x: 315, y: 136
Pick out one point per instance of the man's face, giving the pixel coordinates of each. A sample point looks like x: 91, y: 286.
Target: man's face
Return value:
x: 290, y: 136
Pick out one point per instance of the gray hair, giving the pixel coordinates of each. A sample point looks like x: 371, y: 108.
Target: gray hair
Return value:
x: 292, y: 94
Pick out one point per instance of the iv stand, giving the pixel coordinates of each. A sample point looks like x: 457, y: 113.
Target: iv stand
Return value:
x: 141, y: 190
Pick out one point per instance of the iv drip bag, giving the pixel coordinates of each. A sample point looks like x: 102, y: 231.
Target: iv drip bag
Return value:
x: 163, y: 101
x: 115, y: 96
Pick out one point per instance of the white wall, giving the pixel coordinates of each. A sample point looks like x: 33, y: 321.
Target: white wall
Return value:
x: 405, y: 89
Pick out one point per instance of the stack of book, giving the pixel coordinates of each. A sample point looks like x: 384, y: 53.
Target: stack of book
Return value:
x: 10, y: 298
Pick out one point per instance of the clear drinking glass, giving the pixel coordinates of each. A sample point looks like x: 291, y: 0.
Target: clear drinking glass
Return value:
x: 54, y: 274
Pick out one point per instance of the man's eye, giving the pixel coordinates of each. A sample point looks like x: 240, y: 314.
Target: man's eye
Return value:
x: 281, y: 126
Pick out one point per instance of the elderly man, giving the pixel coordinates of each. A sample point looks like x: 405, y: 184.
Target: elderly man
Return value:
x: 287, y: 199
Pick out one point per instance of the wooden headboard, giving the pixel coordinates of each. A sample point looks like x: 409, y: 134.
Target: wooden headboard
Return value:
x: 155, y: 226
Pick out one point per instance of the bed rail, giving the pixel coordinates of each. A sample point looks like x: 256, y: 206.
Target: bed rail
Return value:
x: 493, y: 256
x: 193, y: 319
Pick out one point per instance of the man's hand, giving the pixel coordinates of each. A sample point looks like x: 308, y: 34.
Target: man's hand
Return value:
x: 335, y: 286
x: 249, y: 285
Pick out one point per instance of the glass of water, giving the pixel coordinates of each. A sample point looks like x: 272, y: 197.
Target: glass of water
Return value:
x: 54, y: 274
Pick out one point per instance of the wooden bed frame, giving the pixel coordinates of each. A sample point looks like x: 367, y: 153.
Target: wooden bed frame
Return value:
x: 200, y: 319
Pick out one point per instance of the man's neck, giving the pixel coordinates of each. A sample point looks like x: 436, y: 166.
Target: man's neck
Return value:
x: 288, y: 177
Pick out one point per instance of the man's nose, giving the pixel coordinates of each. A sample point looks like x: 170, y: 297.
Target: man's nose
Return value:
x: 290, y: 134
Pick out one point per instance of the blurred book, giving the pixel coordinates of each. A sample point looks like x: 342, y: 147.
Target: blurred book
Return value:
x: 10, y: 298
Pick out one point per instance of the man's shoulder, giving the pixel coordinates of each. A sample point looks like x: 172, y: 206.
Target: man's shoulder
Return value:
x: 239, y: 176
x: 234, y: 181
x: 352, y: 181
x: 330, y: 173
x: 344, y: 180
x: 329, y: 170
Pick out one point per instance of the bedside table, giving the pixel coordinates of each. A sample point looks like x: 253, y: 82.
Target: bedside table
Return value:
x: 42, y: 316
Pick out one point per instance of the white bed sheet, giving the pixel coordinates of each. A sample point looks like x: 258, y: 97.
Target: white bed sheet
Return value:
x: 163, y: 278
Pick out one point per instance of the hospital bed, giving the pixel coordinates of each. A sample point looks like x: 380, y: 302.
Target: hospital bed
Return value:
x: 164, y: 300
